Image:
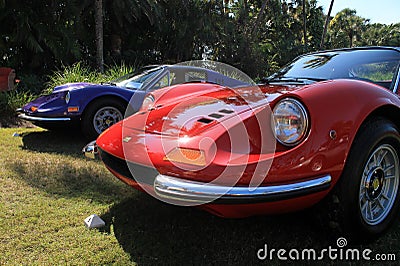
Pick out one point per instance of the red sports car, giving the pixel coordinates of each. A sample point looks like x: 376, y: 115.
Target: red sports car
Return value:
x: 325, y: 125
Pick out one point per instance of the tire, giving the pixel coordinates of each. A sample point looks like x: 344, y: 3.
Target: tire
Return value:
x: 100, y: 115
x: 367, y: 194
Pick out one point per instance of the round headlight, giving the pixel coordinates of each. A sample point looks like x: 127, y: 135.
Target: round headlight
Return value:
x: 289, y: 122
x: 147, y: 102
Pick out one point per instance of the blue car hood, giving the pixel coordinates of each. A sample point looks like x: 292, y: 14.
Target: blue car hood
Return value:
x: 72, y: 86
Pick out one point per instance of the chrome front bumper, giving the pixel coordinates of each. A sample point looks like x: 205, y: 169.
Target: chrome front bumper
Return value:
x: 91, y: 151
x: 43, y: 119
x: 190, y: 191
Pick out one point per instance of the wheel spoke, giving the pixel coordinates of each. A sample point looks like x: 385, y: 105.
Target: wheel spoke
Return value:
x: 388, y: 168
x: 375, y: 160
x: 380, y: 204
x: 384, y: 196
x: 370, y: 210
x: 364, y: 209
x: 382, y: 157
x: 362, y: 194
x: 389, y: 176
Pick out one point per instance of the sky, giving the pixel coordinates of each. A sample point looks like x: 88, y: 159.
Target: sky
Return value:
x: 378, y: 11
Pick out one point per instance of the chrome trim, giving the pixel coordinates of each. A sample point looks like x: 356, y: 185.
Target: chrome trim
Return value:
x: 191, y: 191
x: 91, y: 151
x: 397, y: 83
x: 43, y: 119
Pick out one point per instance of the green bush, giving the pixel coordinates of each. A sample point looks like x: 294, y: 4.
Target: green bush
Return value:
x: 12, y: 100
x: 116, y: 71
x: 78, y: 72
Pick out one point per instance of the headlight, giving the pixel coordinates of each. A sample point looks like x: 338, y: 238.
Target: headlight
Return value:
x: 67, y: 97
x: 147, y: 102
x: 289, y: 122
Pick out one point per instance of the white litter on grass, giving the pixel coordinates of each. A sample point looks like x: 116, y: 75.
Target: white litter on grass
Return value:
x: 94, y: 221
x: 16, y: 134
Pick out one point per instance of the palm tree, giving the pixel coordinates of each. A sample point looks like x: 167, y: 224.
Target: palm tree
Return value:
x: 347, y: 23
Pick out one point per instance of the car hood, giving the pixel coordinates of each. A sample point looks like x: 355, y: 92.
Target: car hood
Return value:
x: 203, y: 108
x: 72, y: 86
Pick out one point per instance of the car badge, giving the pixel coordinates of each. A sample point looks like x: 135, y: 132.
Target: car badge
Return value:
x: 126, y: 139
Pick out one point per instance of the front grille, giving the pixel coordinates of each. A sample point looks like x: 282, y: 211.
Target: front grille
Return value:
x: 136, y: 172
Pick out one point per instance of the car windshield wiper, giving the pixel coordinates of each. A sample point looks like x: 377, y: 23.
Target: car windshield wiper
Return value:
x: 302, y: 80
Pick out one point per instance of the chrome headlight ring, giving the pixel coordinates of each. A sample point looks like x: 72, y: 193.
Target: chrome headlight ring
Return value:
x: 148, y: 103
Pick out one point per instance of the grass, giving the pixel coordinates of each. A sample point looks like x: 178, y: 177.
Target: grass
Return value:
x: 47, y: 189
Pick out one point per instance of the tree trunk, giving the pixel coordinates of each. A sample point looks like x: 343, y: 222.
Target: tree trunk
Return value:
x: 98, y: 5
x: 304, y: 25
x: 351, y: 37
x: 259, y: 16
x: 328, y: 18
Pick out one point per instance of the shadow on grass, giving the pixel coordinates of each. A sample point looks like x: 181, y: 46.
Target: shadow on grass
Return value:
x: 66, y: 173
x: 68, y: 143
x: 153, y: 232
x: 72, y: 181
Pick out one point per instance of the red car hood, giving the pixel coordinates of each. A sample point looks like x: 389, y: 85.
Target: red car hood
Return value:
x: 201, y: 107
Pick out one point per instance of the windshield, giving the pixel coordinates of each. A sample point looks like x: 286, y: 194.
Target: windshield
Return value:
x: 137, y: 81
x: 374, y: 65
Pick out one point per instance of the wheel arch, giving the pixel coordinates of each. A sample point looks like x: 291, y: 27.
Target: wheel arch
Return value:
x: 390, y: 112
x: 102, y: 97
x: 387, y: 111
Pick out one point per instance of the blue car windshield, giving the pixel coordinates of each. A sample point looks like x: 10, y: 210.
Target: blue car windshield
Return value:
x: 374, y: 65
x: 138, y: 81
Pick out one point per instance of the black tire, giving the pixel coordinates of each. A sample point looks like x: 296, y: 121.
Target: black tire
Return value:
x: 367, y: 194
x: 100, y: 115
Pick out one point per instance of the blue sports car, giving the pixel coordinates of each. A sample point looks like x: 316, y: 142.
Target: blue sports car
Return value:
x: 95, y: 107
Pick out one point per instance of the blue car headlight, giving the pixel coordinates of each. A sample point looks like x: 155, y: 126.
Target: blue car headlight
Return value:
x: 67, y: 97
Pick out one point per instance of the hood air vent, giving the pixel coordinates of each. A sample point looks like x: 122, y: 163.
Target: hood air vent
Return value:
x: 205, y: 120
x: 225, y: 111
x: 214, y: 115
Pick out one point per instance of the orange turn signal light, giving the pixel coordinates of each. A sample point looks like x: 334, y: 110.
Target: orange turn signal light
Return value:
x: 73, y: 109
x: 33, y: 108
x: 187, y: 156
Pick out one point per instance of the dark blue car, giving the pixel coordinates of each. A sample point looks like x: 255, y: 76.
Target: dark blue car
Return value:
x: 95, y: 107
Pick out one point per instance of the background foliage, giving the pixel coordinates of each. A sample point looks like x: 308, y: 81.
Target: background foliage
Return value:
x: 256, y: 36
